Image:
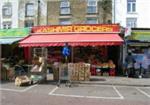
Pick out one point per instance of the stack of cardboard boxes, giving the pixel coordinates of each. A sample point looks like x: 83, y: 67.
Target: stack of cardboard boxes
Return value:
x: 79, y: 71
x: 74, y: 71
x: 87, y: 72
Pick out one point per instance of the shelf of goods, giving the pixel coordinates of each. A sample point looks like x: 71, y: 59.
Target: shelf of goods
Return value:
x: 105, y: 69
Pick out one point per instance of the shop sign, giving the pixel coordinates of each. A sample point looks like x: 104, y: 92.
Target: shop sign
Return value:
x: 66, y: 50
x: 18, y: 32
x: 99, y: 28
x: 141, y: 36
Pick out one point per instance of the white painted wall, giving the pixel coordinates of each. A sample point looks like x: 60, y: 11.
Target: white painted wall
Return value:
x: 0, y: 14
x: 15, y: 14
x: 14, y: 18
x: 142, y: 13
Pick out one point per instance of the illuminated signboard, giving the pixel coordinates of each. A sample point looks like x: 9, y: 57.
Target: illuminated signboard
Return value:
x: 16, y: 32
x: 77, y: 28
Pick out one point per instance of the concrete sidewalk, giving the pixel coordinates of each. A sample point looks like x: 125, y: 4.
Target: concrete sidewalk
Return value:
x: 123, y: 81
x: 108, y: 80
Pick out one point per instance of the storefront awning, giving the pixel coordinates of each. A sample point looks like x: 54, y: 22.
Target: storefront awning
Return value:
x: 8, y: 36
x: 140, y: 44
x: 9, y: 40
x: 72, y: 40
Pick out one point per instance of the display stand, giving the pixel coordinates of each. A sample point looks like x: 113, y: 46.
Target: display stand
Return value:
x: 41, y: 74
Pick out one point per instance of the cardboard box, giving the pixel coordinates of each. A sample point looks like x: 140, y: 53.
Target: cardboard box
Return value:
x: 81, y: 78
x: 105, y: 74
x: 20, y: 80
x: 79, y: 71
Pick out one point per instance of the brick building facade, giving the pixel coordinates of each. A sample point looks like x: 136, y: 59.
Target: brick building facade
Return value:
x: 28, y: 13
x: 77, y: 12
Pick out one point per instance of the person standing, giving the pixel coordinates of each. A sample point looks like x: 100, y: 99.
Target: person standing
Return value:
x: 130, y: 65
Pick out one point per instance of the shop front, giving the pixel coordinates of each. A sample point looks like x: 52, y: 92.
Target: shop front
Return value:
x: 10, y: 52
x: 97, y: 45
x: 138, y: 43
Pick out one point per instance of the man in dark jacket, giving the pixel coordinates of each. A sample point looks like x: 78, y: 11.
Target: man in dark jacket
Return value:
x: 130, y: 65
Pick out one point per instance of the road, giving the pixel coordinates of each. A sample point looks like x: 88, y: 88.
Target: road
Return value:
x: 48, y: 94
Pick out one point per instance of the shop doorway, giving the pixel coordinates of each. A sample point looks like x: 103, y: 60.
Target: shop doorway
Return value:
x: 114, y: 54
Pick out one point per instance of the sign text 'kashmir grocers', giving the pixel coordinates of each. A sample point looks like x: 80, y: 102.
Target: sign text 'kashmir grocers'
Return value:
x: 77, y: 28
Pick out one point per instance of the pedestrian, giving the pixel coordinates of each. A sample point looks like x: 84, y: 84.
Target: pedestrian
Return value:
x: 144, y: 65
x: 130, y: 65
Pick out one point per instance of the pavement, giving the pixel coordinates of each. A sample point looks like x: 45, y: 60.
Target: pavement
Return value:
x: 122, y: 81
x: 50, y: 94
x: 99, y: 90
x: 114, y: 80
x: 109, y: 80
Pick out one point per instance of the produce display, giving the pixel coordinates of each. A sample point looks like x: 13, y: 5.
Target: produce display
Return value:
x: 82, y: 71
x: 105, y: 65
x: 111, y: 64
x: 104, y: 69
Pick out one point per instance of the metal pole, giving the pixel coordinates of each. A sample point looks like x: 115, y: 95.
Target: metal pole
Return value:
x: 114, y: 11
x: 72, y: 54
x: 38, y: 17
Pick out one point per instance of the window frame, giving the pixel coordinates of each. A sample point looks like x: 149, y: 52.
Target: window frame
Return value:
x: 28, y: 10
x: 28, y: 21
x: 63, y: 12
x: 68, y: 4
x: 88, y: 2
x: 91, y: 18
x: 91, y: 6
x: 63, y: 7
x: 7, y: 8
x: 131, y: 22
x: 8, y: 25
x: 68, y: 19
x: 130, y: 5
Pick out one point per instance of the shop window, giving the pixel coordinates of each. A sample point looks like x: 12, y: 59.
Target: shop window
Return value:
x: 131, y: 6
x: 29, y: 23
x: 92, y: 6
x: 92, y: 21
x: 64, y: 21
x: 29, y: 10
x: 64, y: 7
x: 109, y: 22
x: 7, y: 25
x: 40, y: 52
x: 131, y: 22
x: 7, y: 10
